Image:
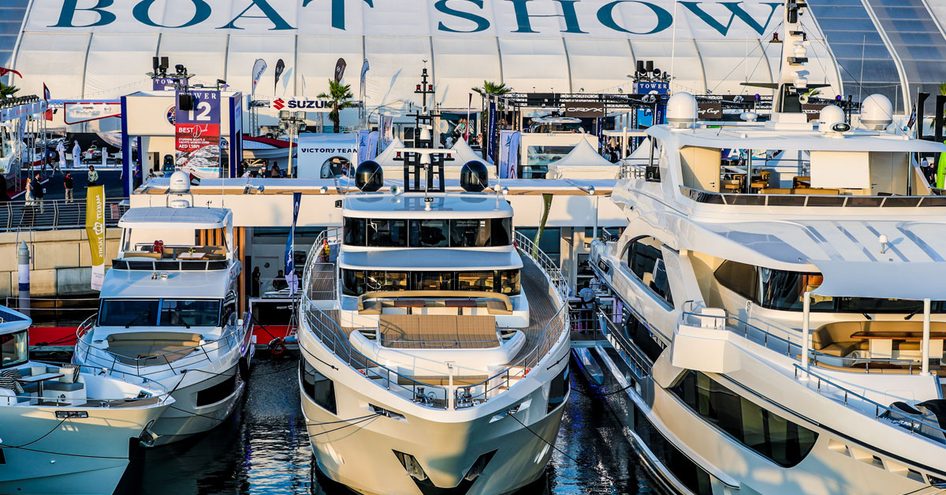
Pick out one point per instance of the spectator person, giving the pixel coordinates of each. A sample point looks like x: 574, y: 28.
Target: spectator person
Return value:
x: 38, y: 191
x: 279, y: 283
x: 93, y: 176
x: 256, y: 283
x: 275, y: 172
x: 76, y: 155
x: 28, y: 192
x: 68, y: 183
x: 61, y: 151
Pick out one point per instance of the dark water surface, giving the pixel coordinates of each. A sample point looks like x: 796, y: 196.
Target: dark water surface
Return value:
x: 264, y: 450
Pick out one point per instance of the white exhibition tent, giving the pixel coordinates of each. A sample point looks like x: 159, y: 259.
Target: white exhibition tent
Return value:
x: 583, y: 162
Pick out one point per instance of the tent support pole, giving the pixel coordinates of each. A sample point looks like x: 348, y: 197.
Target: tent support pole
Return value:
x: 926, y: 337
x: 806, y: 330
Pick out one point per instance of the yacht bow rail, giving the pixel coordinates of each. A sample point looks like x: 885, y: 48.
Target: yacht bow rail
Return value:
x: 858, y: 402
x: 553, y: 331
x: 808, y: 200
x: 792, y: 349
x: 177, y: 362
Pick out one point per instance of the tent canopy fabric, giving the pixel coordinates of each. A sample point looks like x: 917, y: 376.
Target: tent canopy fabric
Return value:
x: 386, y: 158
x: 582, y: 162
x: 464, y: 153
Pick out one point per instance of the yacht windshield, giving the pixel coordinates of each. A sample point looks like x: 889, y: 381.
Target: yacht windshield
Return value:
x: 159, y: 312
x: 14, y: 348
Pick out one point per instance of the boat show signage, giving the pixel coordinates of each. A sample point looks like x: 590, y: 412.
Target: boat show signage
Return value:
x: 301, y: 103
x: 197, y: 133
x: 77, y: 112
x: 585, y: 110
x: 95, y: 231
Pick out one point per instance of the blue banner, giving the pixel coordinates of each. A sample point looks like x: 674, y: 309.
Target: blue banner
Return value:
x: 509, y: 154
x: 290, y: 244
x: 489, y: 138
x: 367, y: 145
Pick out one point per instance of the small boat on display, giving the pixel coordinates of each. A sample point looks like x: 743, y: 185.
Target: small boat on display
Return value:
x: 169, y: 313
x: 434, y: 341
x: 65, y: 428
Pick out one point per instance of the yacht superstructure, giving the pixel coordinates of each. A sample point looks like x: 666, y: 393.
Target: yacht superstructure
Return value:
x: 777, y: 321
x: 434, y: 346
x: 66, y: 426
x: 169, y: 314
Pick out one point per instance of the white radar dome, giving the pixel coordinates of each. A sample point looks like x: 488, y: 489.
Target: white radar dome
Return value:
x: 829, y: 117
x: 682, y: 110
x: 876, y: 112
x: 180, y: 183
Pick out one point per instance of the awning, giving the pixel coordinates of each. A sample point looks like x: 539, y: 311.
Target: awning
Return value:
x: 175, y: 218
x: 913, y: 281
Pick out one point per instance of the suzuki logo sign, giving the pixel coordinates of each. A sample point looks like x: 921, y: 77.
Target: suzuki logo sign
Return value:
x: 300, y: 103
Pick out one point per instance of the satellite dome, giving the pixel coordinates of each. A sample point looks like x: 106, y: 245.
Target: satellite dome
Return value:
x: 369, y: 176
x: 830, y: 116
x: 682, y: 110
x: 474, y: 176
x: 876, y: 112
x: 180, y: 183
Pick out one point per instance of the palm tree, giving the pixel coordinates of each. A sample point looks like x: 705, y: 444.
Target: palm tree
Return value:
x: 493, y: 89
x: 8, y: 90
x: 340, y: 96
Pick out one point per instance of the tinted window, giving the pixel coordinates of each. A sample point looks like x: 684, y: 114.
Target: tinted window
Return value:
x: 684, y: 470
x: 375, y: 281
x: 355, y: 231
x: 475, y: 281
x: 13, y: 347
x: 558, y: 390
x: 740, y: 278
x: 387, y: 233
x: 775, y: 438
x: 319, y: 388
x: 430, y: 233
x: 432, y: 281
x: 481, y: 233
x: 353, y: 282
x: 646, y: 262
x: 509, y: 282
x: 128, y: 313
x: 198, y: 313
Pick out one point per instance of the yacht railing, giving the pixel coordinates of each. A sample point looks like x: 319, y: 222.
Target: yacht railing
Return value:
x: 319, y: 277
x: 552, y: 332
x: 793, y: 349
x: 641, y: 365
x: 31, y: 400
x: 177, y: 362
x: 859, y: 402
x: 812, y: 200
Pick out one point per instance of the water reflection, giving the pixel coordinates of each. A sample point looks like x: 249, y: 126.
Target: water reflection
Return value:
x: 264, y: 450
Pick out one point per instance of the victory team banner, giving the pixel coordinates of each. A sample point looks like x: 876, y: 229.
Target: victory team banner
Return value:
x: 197, y: 134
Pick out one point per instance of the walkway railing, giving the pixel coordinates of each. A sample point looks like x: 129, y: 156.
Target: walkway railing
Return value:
x: 54, y: 214
x: 812, y: 200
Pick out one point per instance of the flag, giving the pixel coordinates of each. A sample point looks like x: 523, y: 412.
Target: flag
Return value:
x: 4, y: 71
x: 280, y: 67
x: 365, y: 67
x: 340, y: 67
x: 290, y: 244
x: 259, y: 67
x: 46, y: 94
x: 95, y: 231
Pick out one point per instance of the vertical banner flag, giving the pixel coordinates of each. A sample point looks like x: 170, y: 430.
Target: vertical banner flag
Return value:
x: 469, y: 121
x: 259, y: 67
x: 340, y: 67
x: 280, y: 68
x: 509, y: 154
x: 372, y: 145
x: 197, y: 134
x: 387, y: 131
x: 365, y: 67
x: 290, y: 245
x: 489, y: 143
x: 95, y: 230
x: 363, y: 145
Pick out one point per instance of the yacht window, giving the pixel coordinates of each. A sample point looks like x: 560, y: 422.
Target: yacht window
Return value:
x: 558, y: 390
x: 646, y: 261
x: 377, y: 280
x: 194, y: 313
x: 475, y: 281
x: 509, y: 282
x: 13, y: 348
x: 775, y: 438
x: 353, y: 282
x: 430, y: 233
x: 317, y: 386
x: 128, y: 313
x: 432, y: 281
x: 740, y: 278
x: 355, y: 231
x: 387, y: 233
x: 683, y: 468
x: 481, y: 233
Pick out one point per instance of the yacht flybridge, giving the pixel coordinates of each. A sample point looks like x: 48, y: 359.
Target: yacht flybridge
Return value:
x: 66, y: 426
x: 434, y: 341
x: 169, y: 313
x: 781, y: 316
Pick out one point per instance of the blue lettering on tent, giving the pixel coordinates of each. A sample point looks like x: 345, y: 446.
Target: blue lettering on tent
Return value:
x: 70, y: 7
x: 142, y: 12
x: 524, y: 25
x: 735, y: 10
x: 482, y: 24
x: 338, y: 11
x: 279, y: 24
x: 606, y: 17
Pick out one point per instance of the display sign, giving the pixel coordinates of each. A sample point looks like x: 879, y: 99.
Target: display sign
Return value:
x: 77, y: 112
x: 585, y: 110
x: 95, y: 231
x: 301, y: 104
x: 710, y: 110
x: 652, y: 88
x: 197, y: 134
x: 164, y: 83
x: 326, y: 154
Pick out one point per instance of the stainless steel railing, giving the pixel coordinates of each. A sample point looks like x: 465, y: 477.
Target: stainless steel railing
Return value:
x: 54, y: 214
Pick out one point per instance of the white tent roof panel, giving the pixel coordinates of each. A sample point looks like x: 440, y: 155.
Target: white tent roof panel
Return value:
x: 317, y: 58
x: 203, y: 54
x: 541, y: 64
x: 120, y: 61
x: 600, y: 65
x: 246, y: 48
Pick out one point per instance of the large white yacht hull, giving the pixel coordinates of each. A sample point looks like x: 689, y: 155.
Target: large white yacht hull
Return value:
x: 186, y: 418
x: 76, y: 456
x: 362, y: 456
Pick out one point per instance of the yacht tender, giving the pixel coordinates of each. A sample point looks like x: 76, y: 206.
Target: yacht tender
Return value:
x: 65, y: 428
x: 434, y: 346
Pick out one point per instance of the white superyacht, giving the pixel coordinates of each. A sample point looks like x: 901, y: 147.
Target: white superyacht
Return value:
x: 169, y: 313
x: 434, y: 343
x: 778, y: 324
x: 64, y: 428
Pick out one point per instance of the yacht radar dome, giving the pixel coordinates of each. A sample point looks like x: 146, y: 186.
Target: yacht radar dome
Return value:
x: 180, y: 183
x: 876, y: 112
x: 474, y: 176
x: 682, y: 110
x: 369, y: 176
x: 831, y: 119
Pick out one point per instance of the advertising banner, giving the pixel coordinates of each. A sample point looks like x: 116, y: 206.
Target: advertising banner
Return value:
x: 77, y: 112
x: 387, y: 131
x: 289, y: 257
x: 585, y: 110
x: 490, y: 137
x: 509, y: 154
x: 259, y: 67
x: 326, y: 155
x: 197, y: 134
x: 95, y: 230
